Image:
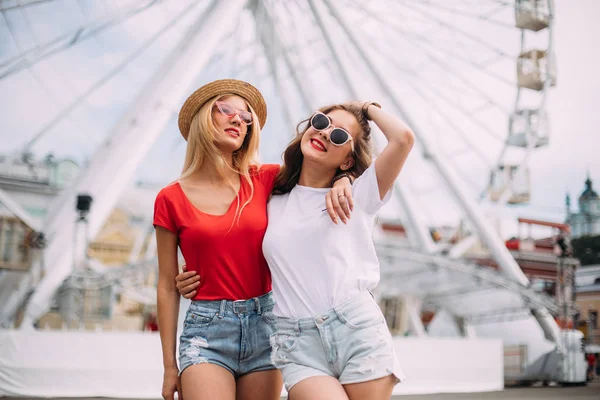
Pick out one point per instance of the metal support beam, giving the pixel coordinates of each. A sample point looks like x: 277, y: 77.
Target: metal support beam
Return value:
x: 115, y: 162
x: 265, y: 30
x: 417, y: 231
x: 460, y: 248
x: 275, y: 42
x: 487, y: 276
x: 413, y: 308
x: 144, y: 228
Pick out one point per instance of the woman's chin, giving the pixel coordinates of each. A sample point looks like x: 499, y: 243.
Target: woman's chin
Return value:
x: 229, y: 145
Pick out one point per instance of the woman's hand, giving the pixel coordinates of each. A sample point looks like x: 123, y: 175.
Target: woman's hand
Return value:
x: 187, y: 283
x: 171, y: 384
x: 339, y: 200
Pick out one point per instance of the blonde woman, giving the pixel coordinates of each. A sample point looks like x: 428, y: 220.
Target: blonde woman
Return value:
x: 216, y: 214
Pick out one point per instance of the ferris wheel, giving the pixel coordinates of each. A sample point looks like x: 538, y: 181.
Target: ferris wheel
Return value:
x: 471, y: 77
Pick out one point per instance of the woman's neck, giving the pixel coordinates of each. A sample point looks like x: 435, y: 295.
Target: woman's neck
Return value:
x: 315, y: 176
x: 211, y: 172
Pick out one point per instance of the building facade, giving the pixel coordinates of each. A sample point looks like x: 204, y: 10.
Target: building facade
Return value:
x: 586, y: 221
x: 116, y: 252
x: 587, y: 281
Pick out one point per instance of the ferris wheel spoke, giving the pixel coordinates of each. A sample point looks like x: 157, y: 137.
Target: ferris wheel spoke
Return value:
x: 104, y: 79
x: 443, y: 7
x: 460, y: 31
x: 66, y: 41
x: 460, y: 132
x: 433, y: 98
x: 411, y: 38
x: 452, y: 104
x: 42, y: 84
x: 292, y: 44
x: 467, y: 81
x: 21, y: 5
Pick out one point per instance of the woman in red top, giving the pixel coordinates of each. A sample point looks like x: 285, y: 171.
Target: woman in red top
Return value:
x: 216, y: 214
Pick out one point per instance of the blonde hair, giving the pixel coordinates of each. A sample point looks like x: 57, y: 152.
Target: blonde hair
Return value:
x: 201, y: 149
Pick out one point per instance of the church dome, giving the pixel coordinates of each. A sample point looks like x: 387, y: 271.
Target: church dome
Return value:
x: 589, y: 193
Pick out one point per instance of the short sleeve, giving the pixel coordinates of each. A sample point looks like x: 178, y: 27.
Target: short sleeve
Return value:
x: 163, y: 212
x: 366, y: 192
x: 267, y: 174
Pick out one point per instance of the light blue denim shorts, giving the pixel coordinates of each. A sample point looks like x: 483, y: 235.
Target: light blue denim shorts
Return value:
x: 350, y: 342
x: 232, y: 334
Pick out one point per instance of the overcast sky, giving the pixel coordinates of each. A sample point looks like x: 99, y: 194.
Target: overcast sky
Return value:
x: 30, y: 99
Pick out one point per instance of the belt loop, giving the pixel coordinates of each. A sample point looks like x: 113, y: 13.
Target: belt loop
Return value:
x: 258, y: 309
x: 222, y: 309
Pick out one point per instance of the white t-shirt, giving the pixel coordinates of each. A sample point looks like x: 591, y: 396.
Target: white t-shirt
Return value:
x: 316, y: 264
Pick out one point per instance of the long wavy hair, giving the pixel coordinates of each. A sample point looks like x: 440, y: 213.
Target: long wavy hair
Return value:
x: 201, y: 148
x: 292, y: 156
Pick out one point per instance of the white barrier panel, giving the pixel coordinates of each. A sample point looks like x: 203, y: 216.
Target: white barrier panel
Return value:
x: 80, y: 364
x: 450, y: 365
x: 129, y: 365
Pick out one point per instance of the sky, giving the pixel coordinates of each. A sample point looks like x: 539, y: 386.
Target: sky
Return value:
x: 32, y: 98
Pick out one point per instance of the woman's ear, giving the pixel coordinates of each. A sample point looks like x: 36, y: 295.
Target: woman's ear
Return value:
x: 349, y: 163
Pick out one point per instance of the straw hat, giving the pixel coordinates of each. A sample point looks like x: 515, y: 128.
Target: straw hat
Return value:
x: 217, y: 88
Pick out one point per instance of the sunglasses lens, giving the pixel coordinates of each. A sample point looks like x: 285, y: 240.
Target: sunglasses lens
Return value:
x: 229, y: 111
x: 226, y: 109
x: 246, y: 117
x: 319, y: 121
x: 338, y: 136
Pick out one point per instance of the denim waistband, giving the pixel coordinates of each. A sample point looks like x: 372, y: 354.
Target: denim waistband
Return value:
x: 326, y: 318
x: 257, y: 304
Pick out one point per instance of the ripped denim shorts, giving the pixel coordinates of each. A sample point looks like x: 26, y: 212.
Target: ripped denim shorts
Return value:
x: 231, y: 334
x: 350, y: 342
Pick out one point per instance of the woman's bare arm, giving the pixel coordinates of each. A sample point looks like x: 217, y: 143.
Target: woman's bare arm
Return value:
x: 168, y: 307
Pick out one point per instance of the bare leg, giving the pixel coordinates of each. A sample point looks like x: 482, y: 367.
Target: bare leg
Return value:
x: 262, y: 385
x: 377, y: 389
x: 207, y: 382
x: 318, y: 388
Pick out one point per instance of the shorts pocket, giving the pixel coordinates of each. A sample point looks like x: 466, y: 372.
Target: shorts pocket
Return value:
x: 284, y: 341
x: 364, y: 315
x: 199, y: 317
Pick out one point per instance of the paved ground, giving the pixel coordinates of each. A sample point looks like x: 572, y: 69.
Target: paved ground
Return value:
x: 589, y: 392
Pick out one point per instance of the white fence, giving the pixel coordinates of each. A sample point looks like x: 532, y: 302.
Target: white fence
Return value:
x: 129, y: 365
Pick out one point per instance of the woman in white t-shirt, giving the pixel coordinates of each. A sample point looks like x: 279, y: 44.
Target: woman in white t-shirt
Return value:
x: 331, y: 340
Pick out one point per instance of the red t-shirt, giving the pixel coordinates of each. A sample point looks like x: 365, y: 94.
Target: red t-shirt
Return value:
x: 227, y: 254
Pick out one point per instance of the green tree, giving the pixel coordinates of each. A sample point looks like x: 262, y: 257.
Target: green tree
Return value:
x: 587, y: 249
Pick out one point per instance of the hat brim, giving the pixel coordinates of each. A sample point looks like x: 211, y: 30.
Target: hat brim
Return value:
x: 220, y: 87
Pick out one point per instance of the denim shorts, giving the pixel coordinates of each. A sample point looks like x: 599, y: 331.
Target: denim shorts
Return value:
x: 232, y: 334
x: 350, y: 342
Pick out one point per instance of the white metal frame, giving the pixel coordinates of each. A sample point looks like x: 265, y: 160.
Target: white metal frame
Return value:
x: 114, y: 164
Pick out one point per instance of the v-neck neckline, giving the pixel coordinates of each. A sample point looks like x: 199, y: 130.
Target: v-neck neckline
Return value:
x: 234, y: 201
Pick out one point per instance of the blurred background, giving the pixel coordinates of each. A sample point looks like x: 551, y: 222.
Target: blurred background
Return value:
x: 489, y: 250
